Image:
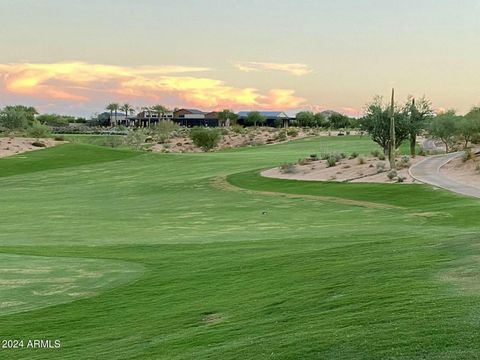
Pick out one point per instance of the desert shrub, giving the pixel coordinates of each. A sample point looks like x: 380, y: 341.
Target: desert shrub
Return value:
x: 288, y: 168
x: 354, y: 155
x: 205, y: 138
x: 237, y: 129
x: 381, y: 156
x: 292, y: 132
x: 39, y: 144
x: 392, y: 174
x: 343, y: 155
x: 305, y: 161
x: 59, y: 138
x: 468, y: 155
x: 404, y: 162
x: 401, y: 179
x: 313, y: 157
x: 281, y: 136
x: 224, y: 131
x: 135, y: 139
x: 376, y: 153
x: 163, y: 131
x: 421, y: 152
x: 331, y: 161
x: 38, y: 130
x: 380, y: 167
x: 361, y: 160
x: 324, y: 156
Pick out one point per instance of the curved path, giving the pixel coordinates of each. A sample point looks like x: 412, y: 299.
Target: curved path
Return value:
x: 428, y: 171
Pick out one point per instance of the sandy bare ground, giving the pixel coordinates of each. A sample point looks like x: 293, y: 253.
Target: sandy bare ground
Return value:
x: 346, y: 170
x: 463, y: 172
x: 17, y: 145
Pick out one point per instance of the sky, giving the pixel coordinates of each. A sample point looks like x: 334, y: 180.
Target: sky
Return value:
x: 76, y: 56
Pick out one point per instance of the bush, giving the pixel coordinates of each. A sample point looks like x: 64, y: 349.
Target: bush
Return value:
x: 401, y: 179
x: 304, y: 161
x: 331, y: 161
x: 281, y: 136
x: 135, y: 139
x: 381, y: 156
x: 39, y: 144
x: 237, y: 129
x: 292, y: 132
x: 163, y: 130
x: 404, y: 162
x: 380, y: 167
x: 288, y: 168
x: 392, y: 174
x: 376, y: 153
x: 59, y: 138
x: 205, y: 138
x: 313, y: 157
x: 38, y: 130
x: 354, y: 155
x: 361, y: 160
x: 468, y: 155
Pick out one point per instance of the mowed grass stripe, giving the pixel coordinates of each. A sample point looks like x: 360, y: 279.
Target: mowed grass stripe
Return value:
x: 306, y: 280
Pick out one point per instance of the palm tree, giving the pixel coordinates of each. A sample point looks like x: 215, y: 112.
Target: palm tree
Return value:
x: 113, y: 107
x: 160, y: 109
x: 126, y: 108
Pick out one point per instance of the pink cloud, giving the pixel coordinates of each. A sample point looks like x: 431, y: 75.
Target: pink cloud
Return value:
x: 86, y: 84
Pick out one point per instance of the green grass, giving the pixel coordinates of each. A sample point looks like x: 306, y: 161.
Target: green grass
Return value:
x: 212, y: 273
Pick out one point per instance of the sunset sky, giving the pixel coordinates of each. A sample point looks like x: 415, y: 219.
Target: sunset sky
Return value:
x: 75, y: 56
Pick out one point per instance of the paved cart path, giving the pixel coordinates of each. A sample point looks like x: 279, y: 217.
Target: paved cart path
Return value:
x: 428, y: 171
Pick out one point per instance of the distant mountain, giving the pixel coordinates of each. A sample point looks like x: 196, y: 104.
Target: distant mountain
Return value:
x: 328, y: 113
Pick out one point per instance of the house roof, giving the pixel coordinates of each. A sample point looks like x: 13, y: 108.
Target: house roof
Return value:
x: 193, y: 111
x: 267, y: 114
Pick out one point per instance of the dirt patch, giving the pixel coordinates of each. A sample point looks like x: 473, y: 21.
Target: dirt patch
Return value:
x: 222, y: 184
x: 16, y: 145
x: 467, y: 173
x: 360, y: 169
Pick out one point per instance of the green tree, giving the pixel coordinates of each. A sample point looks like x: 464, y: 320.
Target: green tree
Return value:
x: 113, y: 108
x: 469, y: 126
x: 254, y: 118
x: 306, y: 119
x: 227, y: 116
x: 376, y: 122
x: 445, y: 128
x: 54, y: 119
x: 321, y: 121
x: 418, y: 113
x: 15, y: 118
x: 160, y: 110
x: 339, y: 121
x: 126, y: 108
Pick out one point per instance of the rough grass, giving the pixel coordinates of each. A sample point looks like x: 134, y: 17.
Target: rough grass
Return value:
x: 240, y: 274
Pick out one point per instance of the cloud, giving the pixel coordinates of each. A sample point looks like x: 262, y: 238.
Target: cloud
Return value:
x: 85, y: 83
x: 294, y: 69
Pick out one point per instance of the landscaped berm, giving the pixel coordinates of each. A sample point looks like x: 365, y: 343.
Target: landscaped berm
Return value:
x: 122, y: 254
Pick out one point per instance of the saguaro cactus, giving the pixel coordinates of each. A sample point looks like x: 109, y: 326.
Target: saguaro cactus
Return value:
x: 391, y: 143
